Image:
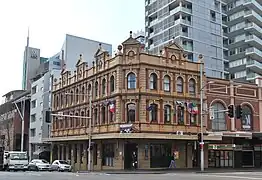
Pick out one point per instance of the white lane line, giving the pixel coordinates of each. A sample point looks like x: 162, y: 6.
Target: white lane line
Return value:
x: 233, y: 177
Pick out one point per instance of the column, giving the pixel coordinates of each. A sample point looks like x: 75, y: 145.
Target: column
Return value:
x: 67, y: 152
x: 51, y: 152
x: 62, y: 155
x: 85, y: 156
x: 72, y: 156
x: 58, y: 152
x: 78, y: 159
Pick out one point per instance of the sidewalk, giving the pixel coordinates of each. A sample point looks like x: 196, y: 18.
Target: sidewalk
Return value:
x: 180, y: 170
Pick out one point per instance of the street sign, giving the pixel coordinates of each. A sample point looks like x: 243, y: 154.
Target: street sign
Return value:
x: 60, y: 115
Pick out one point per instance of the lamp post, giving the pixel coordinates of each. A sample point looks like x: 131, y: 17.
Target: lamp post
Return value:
x: 202, y: 163
x: 89, y: 124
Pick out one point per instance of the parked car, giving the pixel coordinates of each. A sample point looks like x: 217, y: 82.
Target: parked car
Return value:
x: 39, y: 165
x: 61, y: 165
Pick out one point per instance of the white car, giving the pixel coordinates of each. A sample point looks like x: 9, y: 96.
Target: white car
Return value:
x: 39, y: 165
x: 61, y: 165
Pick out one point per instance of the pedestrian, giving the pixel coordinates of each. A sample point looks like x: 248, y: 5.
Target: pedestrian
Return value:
x: 172, y: 161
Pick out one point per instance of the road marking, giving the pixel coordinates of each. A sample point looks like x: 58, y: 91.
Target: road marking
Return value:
x: 233, y: 177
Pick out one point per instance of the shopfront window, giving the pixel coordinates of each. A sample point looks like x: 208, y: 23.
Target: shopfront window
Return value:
x: 160, y: 155
x: 108, y: 155
x: 220, y: 158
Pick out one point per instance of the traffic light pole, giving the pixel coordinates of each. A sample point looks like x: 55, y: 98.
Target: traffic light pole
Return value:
x: 201, y: 119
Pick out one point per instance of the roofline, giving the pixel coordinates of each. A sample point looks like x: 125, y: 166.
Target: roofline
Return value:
x: 89, y: 39
x: 12, y: 92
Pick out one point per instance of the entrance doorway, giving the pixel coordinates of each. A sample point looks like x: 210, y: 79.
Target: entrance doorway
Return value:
x: 247, y: 159
x: 130, y: 148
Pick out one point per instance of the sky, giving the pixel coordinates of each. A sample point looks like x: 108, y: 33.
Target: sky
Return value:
x: 107, y: 21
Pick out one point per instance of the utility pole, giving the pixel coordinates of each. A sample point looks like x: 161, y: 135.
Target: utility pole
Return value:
x: 23, y: 125
x: 90, y: 130
x: 201, y: 114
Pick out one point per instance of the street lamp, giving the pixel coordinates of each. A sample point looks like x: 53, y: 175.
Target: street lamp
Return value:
x: 89, y: 127
x: 201, y: 112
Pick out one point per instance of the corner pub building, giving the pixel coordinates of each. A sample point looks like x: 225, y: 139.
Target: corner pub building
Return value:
x: 141, y: 103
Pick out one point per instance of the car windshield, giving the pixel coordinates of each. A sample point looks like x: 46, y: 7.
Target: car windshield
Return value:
x: 63, y: 162
x: 43, y: 161
x: 18, y: 156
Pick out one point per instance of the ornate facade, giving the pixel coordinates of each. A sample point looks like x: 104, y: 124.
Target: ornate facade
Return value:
x: 141, y: 103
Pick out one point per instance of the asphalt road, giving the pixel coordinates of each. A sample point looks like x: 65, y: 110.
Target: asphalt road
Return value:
x: 102, y: 176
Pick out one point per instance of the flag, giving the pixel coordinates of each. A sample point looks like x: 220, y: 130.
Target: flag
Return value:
x: 192, y: 108
x: 112, y: 108
x: 149, y: 108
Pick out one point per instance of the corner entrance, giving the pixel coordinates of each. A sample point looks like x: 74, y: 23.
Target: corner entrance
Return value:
x: 130, y: 155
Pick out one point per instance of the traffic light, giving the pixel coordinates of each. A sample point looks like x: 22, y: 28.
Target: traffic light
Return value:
x: 199, y: 137
x: 239, y: 112
x: 48, y: 116
x: 231, y: 110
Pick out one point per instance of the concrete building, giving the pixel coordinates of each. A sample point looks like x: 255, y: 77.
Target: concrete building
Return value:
x: 10, y: 120
x: 143, y: 103
x: 40, y: 104
x: 197, y: 25
x: 30, y: 65
x: 222, y: 30
x: 73, y: 46
x: 245, y: 39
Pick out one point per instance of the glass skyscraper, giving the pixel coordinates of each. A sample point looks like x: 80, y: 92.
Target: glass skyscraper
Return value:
x: 221, y: 30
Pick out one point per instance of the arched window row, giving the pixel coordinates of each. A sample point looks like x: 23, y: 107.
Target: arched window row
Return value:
x: 82, y: 93
x: 167, y: 83
x: 100, y: 115
x: 219, y: 117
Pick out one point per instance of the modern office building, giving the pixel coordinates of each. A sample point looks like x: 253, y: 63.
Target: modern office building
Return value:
x: 197, y: 25
x: 73, y: 46
x: 245, y: 39
x: 40, y: 104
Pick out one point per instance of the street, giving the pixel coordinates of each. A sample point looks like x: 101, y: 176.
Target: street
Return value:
x: 100, y: 176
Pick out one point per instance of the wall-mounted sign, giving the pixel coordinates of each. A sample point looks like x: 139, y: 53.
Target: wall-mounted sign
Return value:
x: 8, y: 115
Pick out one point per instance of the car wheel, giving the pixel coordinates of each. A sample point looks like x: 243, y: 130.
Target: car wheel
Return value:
x: 36, y: 168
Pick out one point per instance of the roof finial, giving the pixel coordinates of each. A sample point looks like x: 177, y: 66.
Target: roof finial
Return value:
x: 80, y: 56
x: 100, y: 45
x: 131, y: 33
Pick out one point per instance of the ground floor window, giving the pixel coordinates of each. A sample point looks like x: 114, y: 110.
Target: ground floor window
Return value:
x: 160, y: 155
x: 108, y: 155
x: 220, y: 158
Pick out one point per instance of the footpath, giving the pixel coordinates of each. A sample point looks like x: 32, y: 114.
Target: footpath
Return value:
x: 166, y: 171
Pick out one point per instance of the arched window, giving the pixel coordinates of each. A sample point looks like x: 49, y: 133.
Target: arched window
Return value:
x: 71, y: 97
x: 131, y: 81
x: 103, y: 86
x: 153, y: 81
x: 180, y: 114
x: 153, y: 113
x: 96, y: 89
x: 71, y: 119
x: 66, y: 99
x: 247, y: 118
x: 131, y: 112
x: 112, y: 84
x: 167, y: 113
x: 77, y: 95
x: 83, y: 94
x: 89, y: 90
x: 179, y: 85
x: 82, y: 119
x: 219, y: 121
x: 77, y: 120
x: 103, y: 114
x: 192, y: 87
x: 57, y: 102
x: 88, y: 120
x: 96, y: 116
x: 167, y: 83
x: 62, y: 99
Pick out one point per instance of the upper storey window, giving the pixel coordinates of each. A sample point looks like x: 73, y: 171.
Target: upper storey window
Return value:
x: 153, y: 81
x: 131, y: 81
